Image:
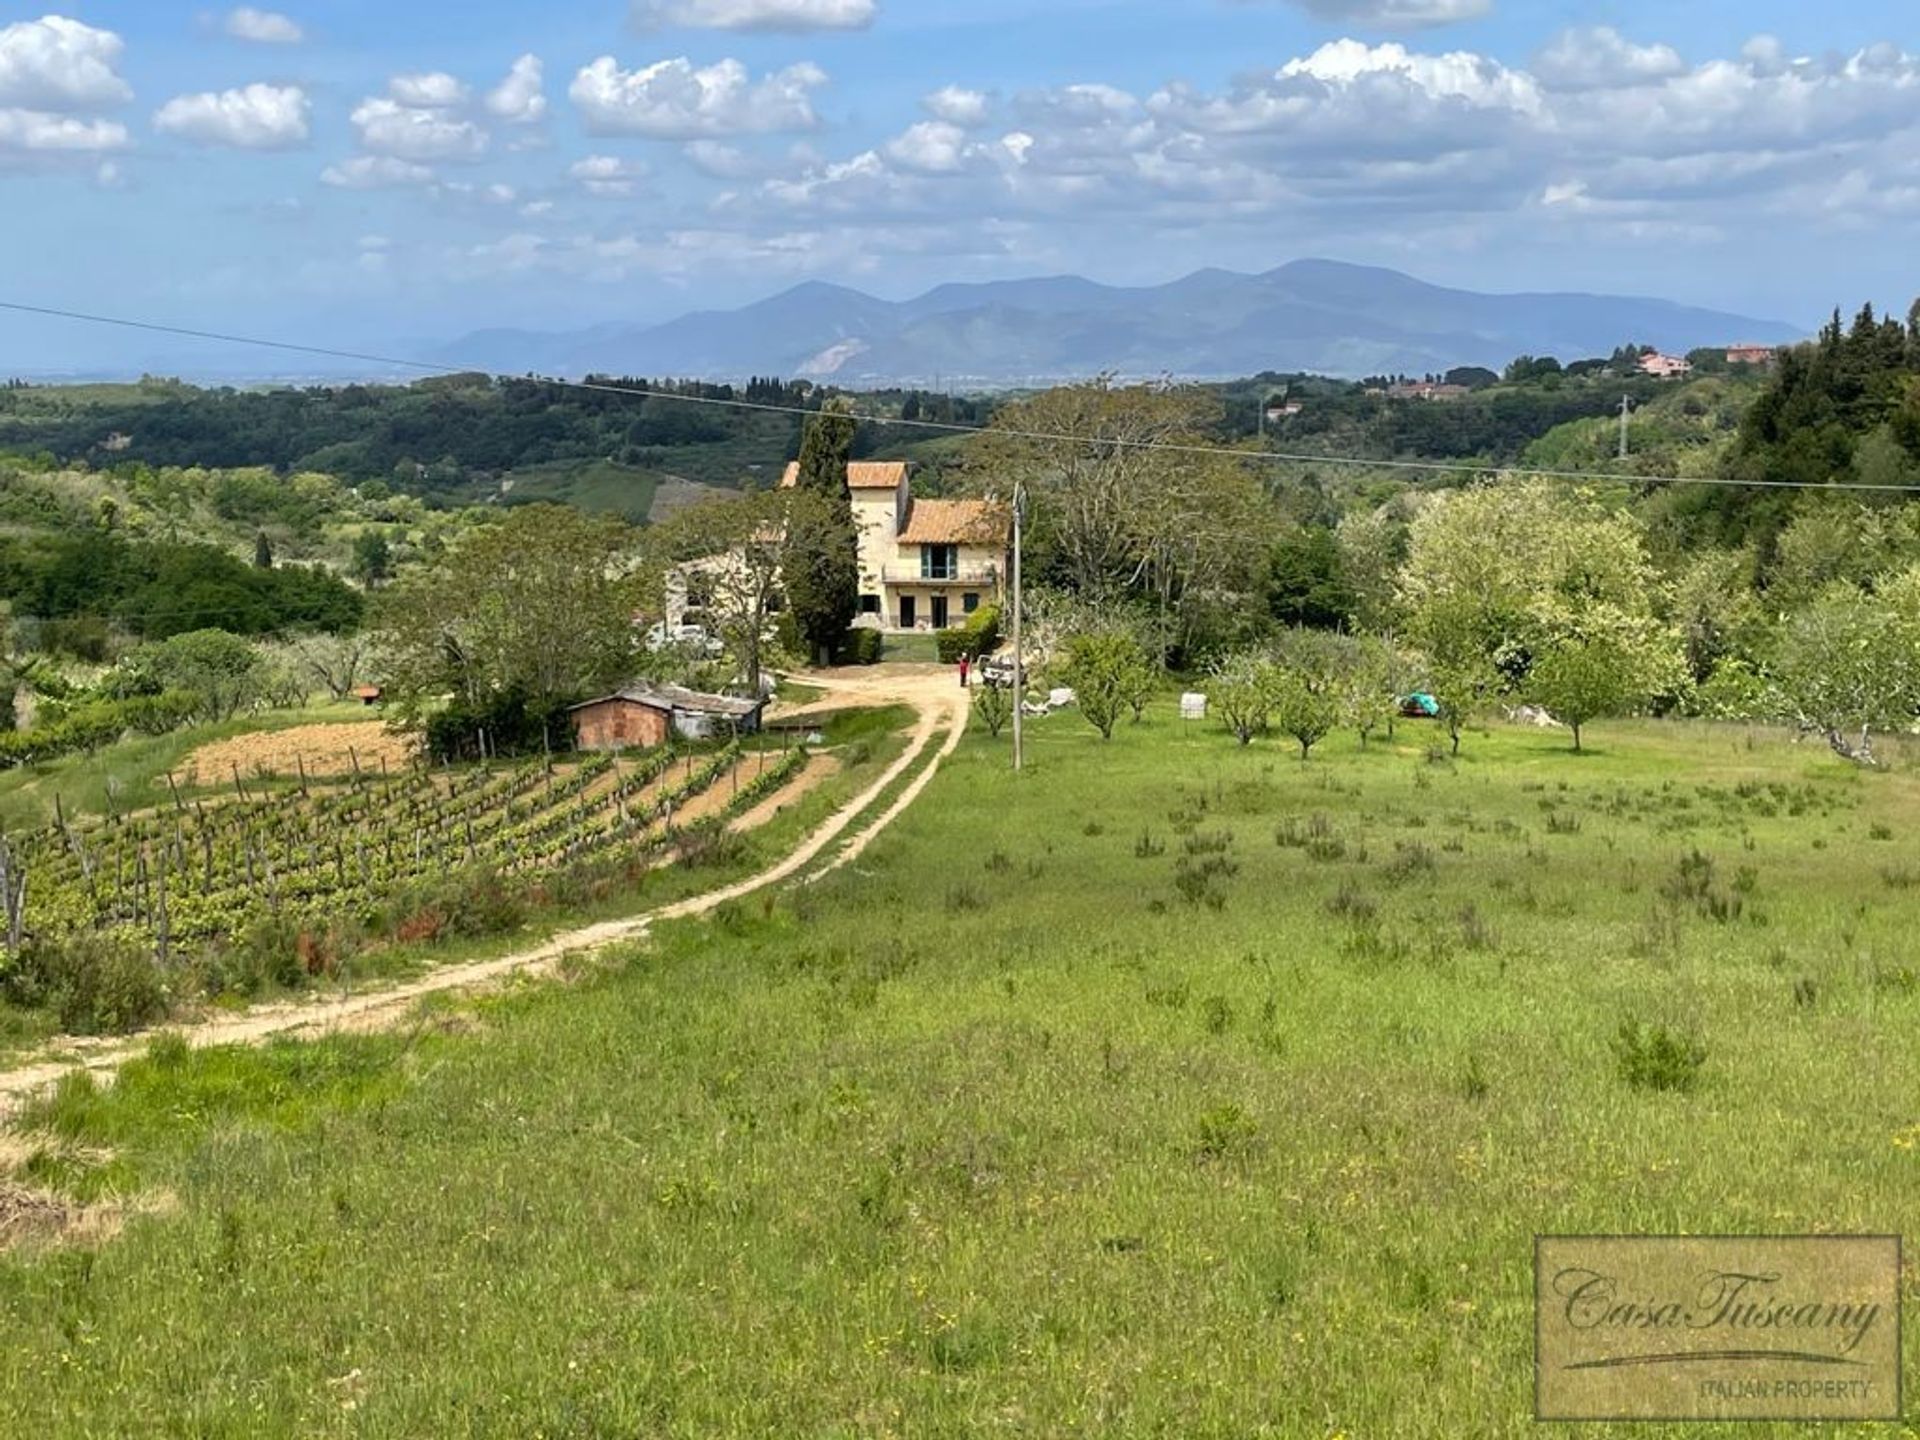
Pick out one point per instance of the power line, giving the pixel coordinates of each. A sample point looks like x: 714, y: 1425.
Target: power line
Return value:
x: 1432, y: 467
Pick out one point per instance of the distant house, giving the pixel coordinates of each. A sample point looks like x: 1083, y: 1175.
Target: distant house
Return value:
x: 643, y: 715
x: 1283, y: 410
x: 1750, y: 354
x: 1664, y: 367
x: 1427, y: 390
x: 367, y: 694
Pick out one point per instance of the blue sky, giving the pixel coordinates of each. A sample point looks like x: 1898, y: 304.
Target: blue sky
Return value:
x: 393, y: 174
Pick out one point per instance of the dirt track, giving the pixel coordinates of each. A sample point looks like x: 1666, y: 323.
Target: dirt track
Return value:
x: 941, y: 705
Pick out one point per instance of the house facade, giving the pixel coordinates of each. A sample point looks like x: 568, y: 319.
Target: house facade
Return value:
x: 924, y: 564
x: 1665, y: 367
x: 1750, y: 354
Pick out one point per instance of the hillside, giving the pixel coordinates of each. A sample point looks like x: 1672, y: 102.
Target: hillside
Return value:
x: 1311, y: 315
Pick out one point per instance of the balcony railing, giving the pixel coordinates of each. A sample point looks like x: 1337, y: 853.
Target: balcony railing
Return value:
x: 982, y: 575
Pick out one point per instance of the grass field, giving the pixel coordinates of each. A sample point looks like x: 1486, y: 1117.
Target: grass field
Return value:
x: 1174, y: 1089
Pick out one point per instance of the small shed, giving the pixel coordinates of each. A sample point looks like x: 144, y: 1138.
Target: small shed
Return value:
x: 642, y: 715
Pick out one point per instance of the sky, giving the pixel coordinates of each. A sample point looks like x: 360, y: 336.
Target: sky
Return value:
x: 392, y: 174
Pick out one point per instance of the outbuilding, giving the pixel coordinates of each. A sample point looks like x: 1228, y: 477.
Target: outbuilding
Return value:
x: 639, y: 716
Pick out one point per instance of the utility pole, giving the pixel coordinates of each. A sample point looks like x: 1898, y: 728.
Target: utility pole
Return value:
x: 1019, y: 655
x: 1626, y: 409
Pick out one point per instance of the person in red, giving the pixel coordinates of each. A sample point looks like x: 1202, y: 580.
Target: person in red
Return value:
x: 966, y: 664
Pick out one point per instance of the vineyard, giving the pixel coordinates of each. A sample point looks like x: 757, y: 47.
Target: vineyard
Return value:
x: 198, y: 871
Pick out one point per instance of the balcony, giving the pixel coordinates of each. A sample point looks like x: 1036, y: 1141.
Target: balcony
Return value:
x: 980, y: 577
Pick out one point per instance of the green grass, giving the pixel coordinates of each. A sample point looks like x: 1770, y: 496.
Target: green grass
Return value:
x: 598, y: 485
x: 134, y: 772
x: 1015, y: 1130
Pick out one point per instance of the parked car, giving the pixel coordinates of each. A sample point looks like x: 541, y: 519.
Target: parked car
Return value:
x: 996, y: 670
x: 689, y: 637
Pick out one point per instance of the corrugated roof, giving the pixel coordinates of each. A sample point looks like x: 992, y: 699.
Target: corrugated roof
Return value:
x: 956, y: 522
x: 678, y: 697
x: 861, y: 474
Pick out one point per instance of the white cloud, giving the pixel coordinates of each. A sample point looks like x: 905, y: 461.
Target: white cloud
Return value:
x: 37, y: 130
x: 785, y: 15
x: 436, y: 90
x: 59, y: 64
x: 264, y: 27
x: 1397, y: 14
x: 673, y: 100
x: 405, y: 132
x: 607, y: 176
x: 520, y: 99
x: 255, y: 117
x: 375, y: 172
x: 957, y: 106
x: 1602, y: 59
x: 932, y: 147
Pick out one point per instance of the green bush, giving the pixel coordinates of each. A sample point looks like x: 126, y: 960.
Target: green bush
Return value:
x: 862, y: 647
x: 1652, y: 1057
x: 977, y: 635
x: 96, y: 983
x: 95, y: 723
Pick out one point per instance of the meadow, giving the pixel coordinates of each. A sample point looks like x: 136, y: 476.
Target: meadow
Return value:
x: 1172, y: 1089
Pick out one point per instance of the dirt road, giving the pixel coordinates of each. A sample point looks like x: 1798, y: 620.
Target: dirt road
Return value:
x: 942, y: 708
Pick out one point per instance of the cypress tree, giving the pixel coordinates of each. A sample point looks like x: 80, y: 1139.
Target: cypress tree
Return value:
x: 822, y: 572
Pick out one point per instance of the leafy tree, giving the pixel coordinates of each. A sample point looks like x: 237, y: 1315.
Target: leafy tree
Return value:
x: 333, y: 661
x: 1308, y: 685
x: 223, y: 671
x: 730, y: 555
x: 1102, y: 667
x: 1844, y: 666
x: 262, y: 552
x: 994, y: 705
x: 1306, y: 580
x: 822, y: 565
x: 540, y: 604
x: 1377, y: 677
x: 1601, y: 663
x: 372, y: 557
x: 1240, y: 690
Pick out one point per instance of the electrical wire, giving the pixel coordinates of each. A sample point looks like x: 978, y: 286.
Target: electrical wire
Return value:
x: 1436, y: 467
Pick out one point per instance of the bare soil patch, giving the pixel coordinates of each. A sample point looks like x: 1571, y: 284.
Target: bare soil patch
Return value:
x: 818, y: 770
x: 325, y: 750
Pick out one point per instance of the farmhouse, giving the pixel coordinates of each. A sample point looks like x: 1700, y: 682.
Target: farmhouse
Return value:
x: 924, y: 564
x: 642, y: 715
x: 1665, y: 367
x: 1749, y: 354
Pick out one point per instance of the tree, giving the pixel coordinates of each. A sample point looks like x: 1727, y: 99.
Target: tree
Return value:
x: 822, y: 553
x: 728, y: 556
x: 1307, y: 685
x: 1240, y: 690
x: 540, y: 603
x: 1306, y: 580
x: 334, y: 661
x: 1601, y: 663
x: 262, y: 552
x: 1102, y: 667
x: 1844, y: 666
x: 372, y: 557
x: 224, y: 671
x: 1375, y: 683
x: 994, y: 705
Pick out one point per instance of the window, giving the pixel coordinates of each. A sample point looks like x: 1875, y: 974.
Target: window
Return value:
x: 939, y: 562
x: 969, y: 602
x: 869, y: 604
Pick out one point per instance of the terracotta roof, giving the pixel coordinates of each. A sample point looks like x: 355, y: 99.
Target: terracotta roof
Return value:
x: 861, y: 474
x: 956, y: 522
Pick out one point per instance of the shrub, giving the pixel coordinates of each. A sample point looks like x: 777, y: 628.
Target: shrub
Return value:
x: 977, y: 635
x: 1653, y: 1057
x: 862, y: 647
x: 96, y: 983
x: 1226, y: 1131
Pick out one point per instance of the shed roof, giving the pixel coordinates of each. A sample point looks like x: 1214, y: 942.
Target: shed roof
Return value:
x: 956, y: 522
x: 678, y: 697
x: 861, y: 474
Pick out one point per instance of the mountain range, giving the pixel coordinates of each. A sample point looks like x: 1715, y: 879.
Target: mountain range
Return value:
x: 1321, y: 316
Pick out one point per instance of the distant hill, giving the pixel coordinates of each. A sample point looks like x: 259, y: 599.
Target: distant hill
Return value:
x: 1312, y: 315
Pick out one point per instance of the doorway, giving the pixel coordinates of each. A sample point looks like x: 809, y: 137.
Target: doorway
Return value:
x: 939, y: 603
x: 907, y: 616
